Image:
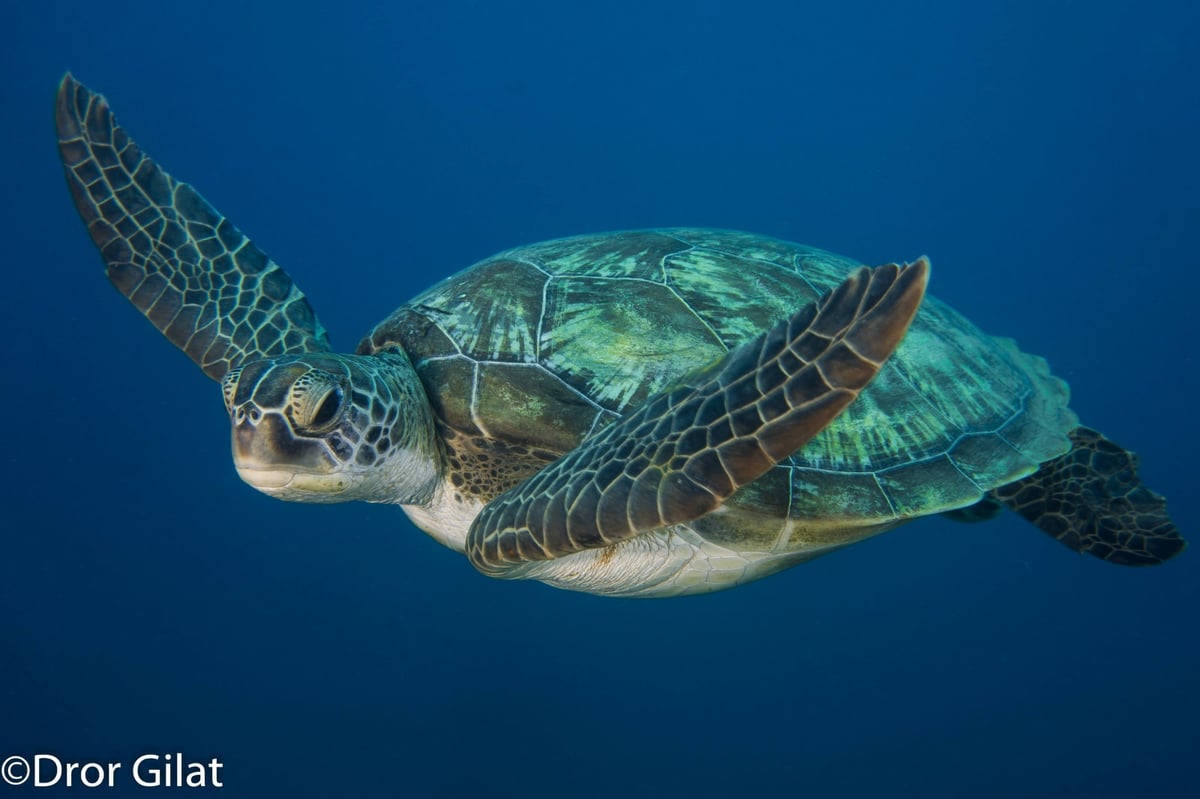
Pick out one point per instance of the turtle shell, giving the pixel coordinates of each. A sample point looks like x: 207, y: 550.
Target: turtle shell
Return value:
x: 527, y: 353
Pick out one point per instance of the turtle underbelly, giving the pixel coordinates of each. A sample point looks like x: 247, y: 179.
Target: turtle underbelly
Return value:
x: 677, y: 561
x: 721, y: 550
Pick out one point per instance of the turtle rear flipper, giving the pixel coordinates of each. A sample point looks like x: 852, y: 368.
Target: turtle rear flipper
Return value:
x: 686, y: 450
x: 1092, y: 500
x: 194, y: 275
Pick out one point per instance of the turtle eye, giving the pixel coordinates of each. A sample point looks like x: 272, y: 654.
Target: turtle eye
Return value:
x: 320, y: 410
x: 316, y: 403
x: 327, y: 409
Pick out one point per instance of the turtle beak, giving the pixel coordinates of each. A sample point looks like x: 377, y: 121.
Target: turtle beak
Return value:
x: 270, y: 457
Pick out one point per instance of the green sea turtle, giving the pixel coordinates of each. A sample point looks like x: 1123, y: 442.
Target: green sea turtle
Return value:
x: 646, y: 413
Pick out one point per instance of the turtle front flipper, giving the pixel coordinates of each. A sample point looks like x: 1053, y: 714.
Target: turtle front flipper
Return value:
x: 202, y: 283
x: 686, y: 450
x: 1092, y: 500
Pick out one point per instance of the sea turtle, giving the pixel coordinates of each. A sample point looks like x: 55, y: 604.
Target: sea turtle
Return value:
x: 645, y: 413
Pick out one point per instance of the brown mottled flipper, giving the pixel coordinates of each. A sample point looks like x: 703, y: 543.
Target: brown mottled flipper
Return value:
x: 1092, y: 500
x: 686, y: 450
x: 187, y: 268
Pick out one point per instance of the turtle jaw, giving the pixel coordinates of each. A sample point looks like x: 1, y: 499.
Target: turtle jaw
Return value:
x: 289, y: 484
x: 271, y: 457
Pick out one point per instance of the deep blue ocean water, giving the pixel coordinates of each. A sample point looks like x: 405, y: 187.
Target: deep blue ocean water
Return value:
x: 1042, y: 153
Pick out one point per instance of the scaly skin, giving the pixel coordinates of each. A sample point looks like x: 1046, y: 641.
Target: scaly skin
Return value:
x: 195, y: 276
x: 330, y: 428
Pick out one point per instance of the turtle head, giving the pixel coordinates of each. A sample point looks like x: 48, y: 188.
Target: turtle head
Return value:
x: 320, y: 427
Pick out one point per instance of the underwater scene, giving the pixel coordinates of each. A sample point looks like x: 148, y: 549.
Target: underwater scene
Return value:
x: 632, y: 410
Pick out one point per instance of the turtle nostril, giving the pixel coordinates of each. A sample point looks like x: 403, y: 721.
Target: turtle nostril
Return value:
x: 247, y: 413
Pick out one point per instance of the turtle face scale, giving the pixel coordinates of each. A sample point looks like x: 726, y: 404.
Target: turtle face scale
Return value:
x: 321, y: 427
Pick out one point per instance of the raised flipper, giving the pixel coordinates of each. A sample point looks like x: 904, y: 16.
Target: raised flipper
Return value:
x: 686, y: 450
x: 202, y: 283
x: 1092, y: 500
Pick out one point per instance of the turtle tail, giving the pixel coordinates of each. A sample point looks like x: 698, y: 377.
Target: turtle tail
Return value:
x: 1092, y: 500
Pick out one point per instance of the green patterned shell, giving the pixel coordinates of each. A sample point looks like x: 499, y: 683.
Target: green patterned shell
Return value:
x: 527, y: 353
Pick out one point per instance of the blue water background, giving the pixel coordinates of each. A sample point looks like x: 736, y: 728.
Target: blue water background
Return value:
x: 1043, y: 154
